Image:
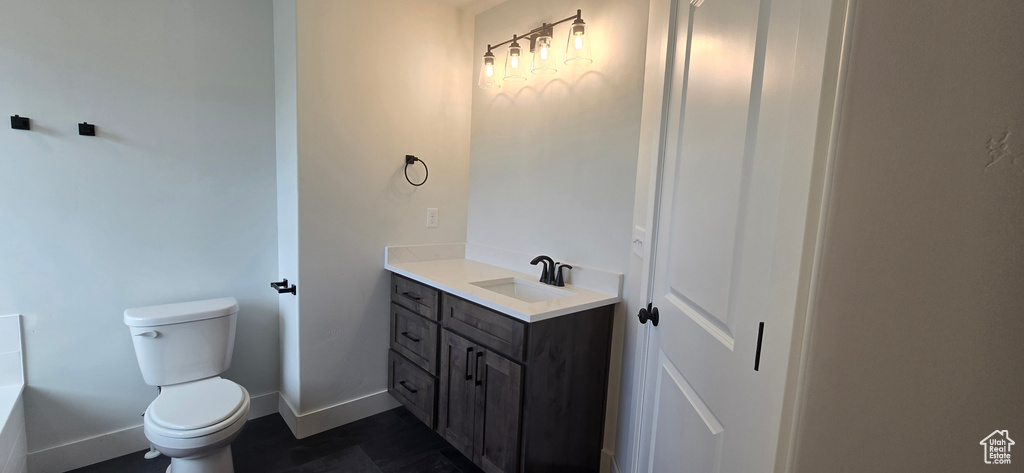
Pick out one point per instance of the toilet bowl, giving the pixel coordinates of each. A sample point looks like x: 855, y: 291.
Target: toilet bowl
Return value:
x: 194, y: 423
x: 183, y: 348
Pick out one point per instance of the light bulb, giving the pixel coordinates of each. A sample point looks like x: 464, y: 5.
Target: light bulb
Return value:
x: 487, y: 79
x: 577, y: 49
x: 543, y: 60
x: 512, y: 71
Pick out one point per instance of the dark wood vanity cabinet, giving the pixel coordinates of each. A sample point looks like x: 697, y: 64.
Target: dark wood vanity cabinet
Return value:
x: 458, y: 426
x: 415, y: 335
x: 512, y: 396
x: 480, y: 403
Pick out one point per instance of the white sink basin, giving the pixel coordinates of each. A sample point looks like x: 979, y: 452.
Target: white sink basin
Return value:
x: 519, y: 289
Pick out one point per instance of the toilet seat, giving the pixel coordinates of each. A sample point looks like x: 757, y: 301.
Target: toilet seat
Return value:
x: 197, y: 408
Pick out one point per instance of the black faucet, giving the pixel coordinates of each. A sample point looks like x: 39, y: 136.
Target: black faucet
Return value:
x: 558, y: 274
x: 547, y: 276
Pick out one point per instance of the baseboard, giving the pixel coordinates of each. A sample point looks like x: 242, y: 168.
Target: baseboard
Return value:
x: 263, y: 405
x: 88, y: 451
x: 312, y: 423
x: 288, y: 414
x: 102, y: 447
x: 608, y: 462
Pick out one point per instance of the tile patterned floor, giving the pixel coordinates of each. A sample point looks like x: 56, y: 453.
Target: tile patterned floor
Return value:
x: 390, y: 442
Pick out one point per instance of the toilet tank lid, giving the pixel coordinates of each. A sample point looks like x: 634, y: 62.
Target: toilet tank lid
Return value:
x: 179, y: 313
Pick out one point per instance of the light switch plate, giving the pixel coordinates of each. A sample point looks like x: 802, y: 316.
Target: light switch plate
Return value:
x: 431, y: 218
x: 639, y: 239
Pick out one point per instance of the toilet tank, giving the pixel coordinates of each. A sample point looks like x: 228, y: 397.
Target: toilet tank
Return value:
x: 177, y: 343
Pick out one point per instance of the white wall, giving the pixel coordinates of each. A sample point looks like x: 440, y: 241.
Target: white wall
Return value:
x: 915, y: 341
x: 554, y: 159
x: 285, y: 94
x: 633, y: 335
x: 172, y: 201
x: 375, y: 81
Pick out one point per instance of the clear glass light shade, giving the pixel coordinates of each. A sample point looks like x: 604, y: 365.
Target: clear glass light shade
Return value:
x: 514, y: 66
x: 488, y: 73
x: 543, y: 56
x: 577, y: 51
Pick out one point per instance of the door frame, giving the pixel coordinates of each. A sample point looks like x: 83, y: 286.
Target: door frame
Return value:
x: 661, y: 48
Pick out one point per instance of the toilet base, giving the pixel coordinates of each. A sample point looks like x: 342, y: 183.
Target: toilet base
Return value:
x: 216, y: 461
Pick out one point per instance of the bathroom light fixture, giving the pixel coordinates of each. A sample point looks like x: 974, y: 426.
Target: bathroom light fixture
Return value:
x: 577, y: 51
x: 514, y: 61
x: 488, y: 77
x: 543, y: 56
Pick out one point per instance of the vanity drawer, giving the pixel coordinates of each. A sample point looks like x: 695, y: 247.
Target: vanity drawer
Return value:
x: 413, y: 387
x: 501, y: 333
x: 419, y: 298
x: 414, y: 337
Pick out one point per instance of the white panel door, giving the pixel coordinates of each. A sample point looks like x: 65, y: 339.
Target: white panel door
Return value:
x: 745, y: 81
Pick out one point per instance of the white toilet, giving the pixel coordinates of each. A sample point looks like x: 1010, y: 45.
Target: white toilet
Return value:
x: 183, y: 348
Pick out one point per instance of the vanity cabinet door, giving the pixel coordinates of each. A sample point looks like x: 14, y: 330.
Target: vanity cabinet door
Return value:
x: 456, y: 412
x: 499, y: 383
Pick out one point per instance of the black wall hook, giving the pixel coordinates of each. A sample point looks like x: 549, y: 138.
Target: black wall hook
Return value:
x: 85, y: 129
x: 20, y: 123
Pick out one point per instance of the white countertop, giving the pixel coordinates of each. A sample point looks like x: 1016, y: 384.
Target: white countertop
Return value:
x: 456, y: 275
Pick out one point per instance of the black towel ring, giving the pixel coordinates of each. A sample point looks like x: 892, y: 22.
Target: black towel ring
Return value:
x: 410, y: 160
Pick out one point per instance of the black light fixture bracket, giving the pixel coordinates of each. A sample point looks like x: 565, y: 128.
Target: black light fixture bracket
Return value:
x: 545, y: 29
